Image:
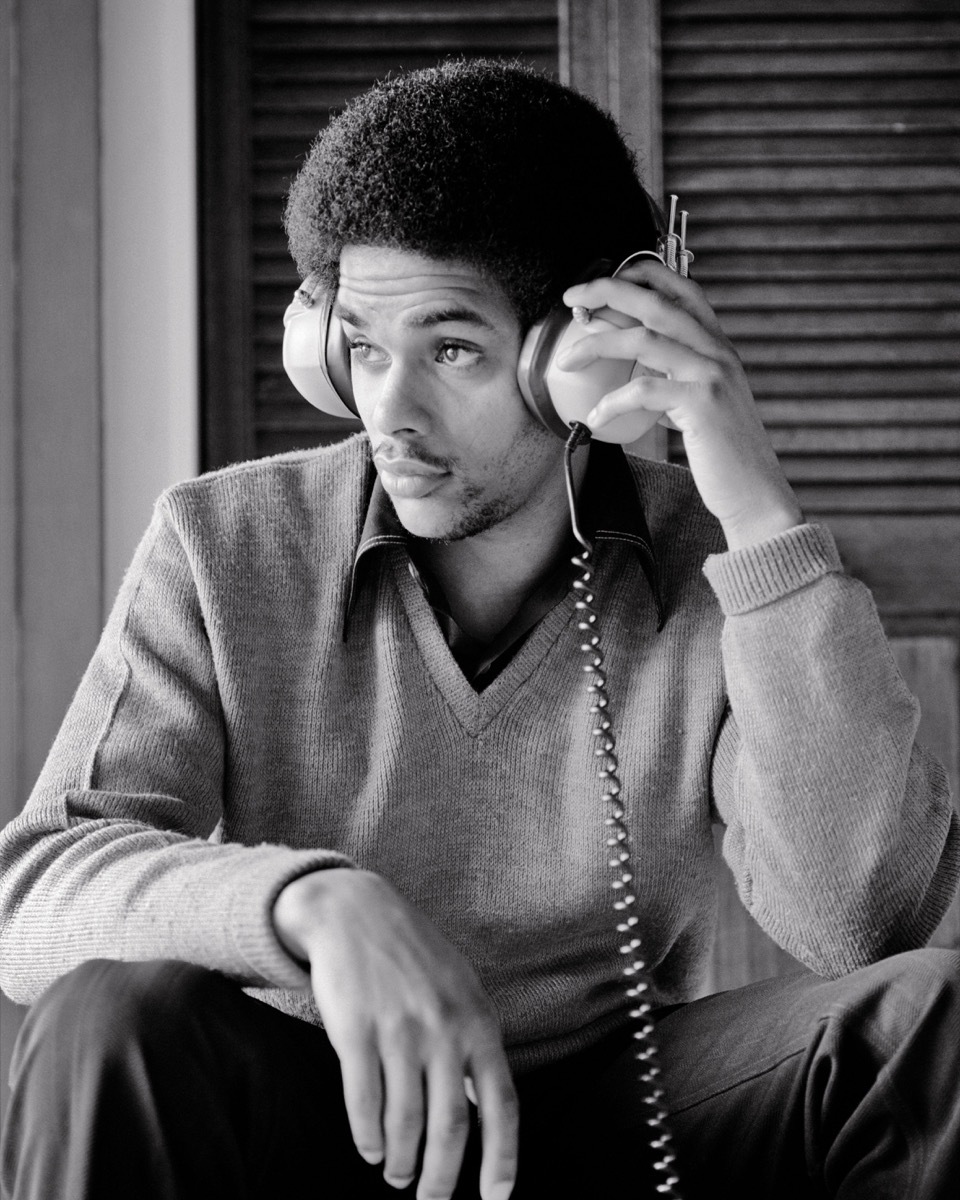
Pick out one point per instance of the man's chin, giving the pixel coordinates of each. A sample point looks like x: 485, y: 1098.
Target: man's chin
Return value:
x: 438, y: 523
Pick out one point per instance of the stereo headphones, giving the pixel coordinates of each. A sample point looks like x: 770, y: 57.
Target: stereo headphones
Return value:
x: 316, y: 352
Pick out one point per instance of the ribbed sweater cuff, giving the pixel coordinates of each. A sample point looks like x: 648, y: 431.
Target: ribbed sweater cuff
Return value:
x: 251, y: 910
x: 753, y: 576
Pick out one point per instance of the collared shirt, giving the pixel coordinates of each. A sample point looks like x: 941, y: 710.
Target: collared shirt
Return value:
x: 609, y: 508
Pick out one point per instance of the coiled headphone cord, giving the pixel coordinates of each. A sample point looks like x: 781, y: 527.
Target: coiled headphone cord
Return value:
x: 618, y: 843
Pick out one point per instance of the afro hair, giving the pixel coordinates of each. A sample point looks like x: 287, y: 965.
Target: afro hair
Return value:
x: 480, y: 161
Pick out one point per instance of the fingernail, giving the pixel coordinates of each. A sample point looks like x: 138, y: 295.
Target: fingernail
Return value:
x: 373, y: 1157
x: 592, y: 418
x: 397, y: 1181
x: 499, y: 1191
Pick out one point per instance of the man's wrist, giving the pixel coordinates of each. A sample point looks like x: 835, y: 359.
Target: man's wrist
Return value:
x: 295, y: 908
x: 760, y: 526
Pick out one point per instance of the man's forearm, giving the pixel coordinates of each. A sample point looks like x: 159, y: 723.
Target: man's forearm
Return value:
x: 839, y: 831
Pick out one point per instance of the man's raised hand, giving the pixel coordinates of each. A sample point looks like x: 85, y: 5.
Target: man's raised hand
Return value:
x: 699, y: 383
x: 410, y: 1023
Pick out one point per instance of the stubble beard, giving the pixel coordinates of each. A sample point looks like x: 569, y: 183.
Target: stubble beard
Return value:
x: 480, y: 512
x: 477, y: 516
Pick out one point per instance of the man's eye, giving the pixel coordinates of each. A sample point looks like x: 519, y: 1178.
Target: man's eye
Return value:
x: 454, y: 354
x: 364, y: 352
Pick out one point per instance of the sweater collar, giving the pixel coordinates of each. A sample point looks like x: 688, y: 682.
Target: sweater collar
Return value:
x: 610, y: 509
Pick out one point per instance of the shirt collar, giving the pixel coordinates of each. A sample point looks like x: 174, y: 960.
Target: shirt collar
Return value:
x: 610, y: 509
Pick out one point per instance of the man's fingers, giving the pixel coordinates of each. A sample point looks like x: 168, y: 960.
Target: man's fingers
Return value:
x: 654, y: 276
x: 403, y: 1113
x: 500, y: 1127
x: 649, y: 392
x: 642, y: 345
x: 448, y: 1122
x: 654, y: 309
x: 658, y: 295
x: 363, y: 1095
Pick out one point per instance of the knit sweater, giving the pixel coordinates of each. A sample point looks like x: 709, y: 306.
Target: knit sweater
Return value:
x: 226, y: 739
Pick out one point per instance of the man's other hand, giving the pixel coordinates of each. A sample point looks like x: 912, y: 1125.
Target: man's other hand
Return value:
x: 411, y: 1025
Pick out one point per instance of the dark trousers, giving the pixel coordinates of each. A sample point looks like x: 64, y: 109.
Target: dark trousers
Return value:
x: 163, y: 1081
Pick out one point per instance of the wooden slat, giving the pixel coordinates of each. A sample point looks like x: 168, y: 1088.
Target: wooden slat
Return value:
x: 819, y: 411
x: 904, y: 120
x: 909, y: 499
x: 850, y: 381
x: 745, y: 295
x: 933, y: 440
x: 732, y: 33
x: 902, y: 176
x: 851, y: 144
x: 813, y: 61
x: 838, y: 11
x: 834, y: 92
x: 840, y: 324
x: 821, y: 204
x: 369, y: 15
x: 868, y: 235
x: 846, y: 353
x: 373, y: 42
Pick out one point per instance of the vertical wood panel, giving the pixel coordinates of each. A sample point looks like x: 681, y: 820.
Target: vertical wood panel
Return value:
x: 226, y: 288
x: 610, y: 51
x: 931, y: 668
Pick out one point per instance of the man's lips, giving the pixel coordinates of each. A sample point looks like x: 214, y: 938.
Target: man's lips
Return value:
x: 406, y: 466
x: 408, y: 478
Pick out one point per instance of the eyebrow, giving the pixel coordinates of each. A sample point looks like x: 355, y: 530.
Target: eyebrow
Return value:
x: 440, y: 316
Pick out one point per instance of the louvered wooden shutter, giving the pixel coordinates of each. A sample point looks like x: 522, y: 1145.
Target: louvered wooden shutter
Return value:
x: 272, y: 72
x: 815, y: 143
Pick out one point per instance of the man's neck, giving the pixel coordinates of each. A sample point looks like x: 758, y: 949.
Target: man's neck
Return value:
x: 487, y: 577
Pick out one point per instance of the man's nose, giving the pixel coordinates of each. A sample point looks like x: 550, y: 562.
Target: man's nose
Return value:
x: 400, y: 400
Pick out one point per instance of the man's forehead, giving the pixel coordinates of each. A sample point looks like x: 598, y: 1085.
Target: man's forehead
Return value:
x: 372, y: 274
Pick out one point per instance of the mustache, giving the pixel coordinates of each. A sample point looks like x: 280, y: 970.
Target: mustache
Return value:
x: 386, y: 451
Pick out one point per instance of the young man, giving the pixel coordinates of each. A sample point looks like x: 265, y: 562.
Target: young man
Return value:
x: 333, y: 761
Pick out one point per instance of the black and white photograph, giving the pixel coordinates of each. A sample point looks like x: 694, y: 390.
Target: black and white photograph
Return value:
x: 479, y: 599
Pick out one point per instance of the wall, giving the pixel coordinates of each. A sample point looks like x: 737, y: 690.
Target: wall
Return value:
x: 149, y: 262
x: 97, y: 334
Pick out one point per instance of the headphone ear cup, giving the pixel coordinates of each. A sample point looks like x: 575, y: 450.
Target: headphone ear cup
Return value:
x: 559, y: 398
x: 536, y: 353
x: 316, y: 356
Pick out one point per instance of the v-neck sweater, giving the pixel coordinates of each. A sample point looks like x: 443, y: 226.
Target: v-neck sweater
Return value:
x: 225, y: 740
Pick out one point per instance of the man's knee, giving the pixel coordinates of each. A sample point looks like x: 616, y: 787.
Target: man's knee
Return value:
x: 103, y: 1006
x: 906, y: 1007
x: 917, y: 979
